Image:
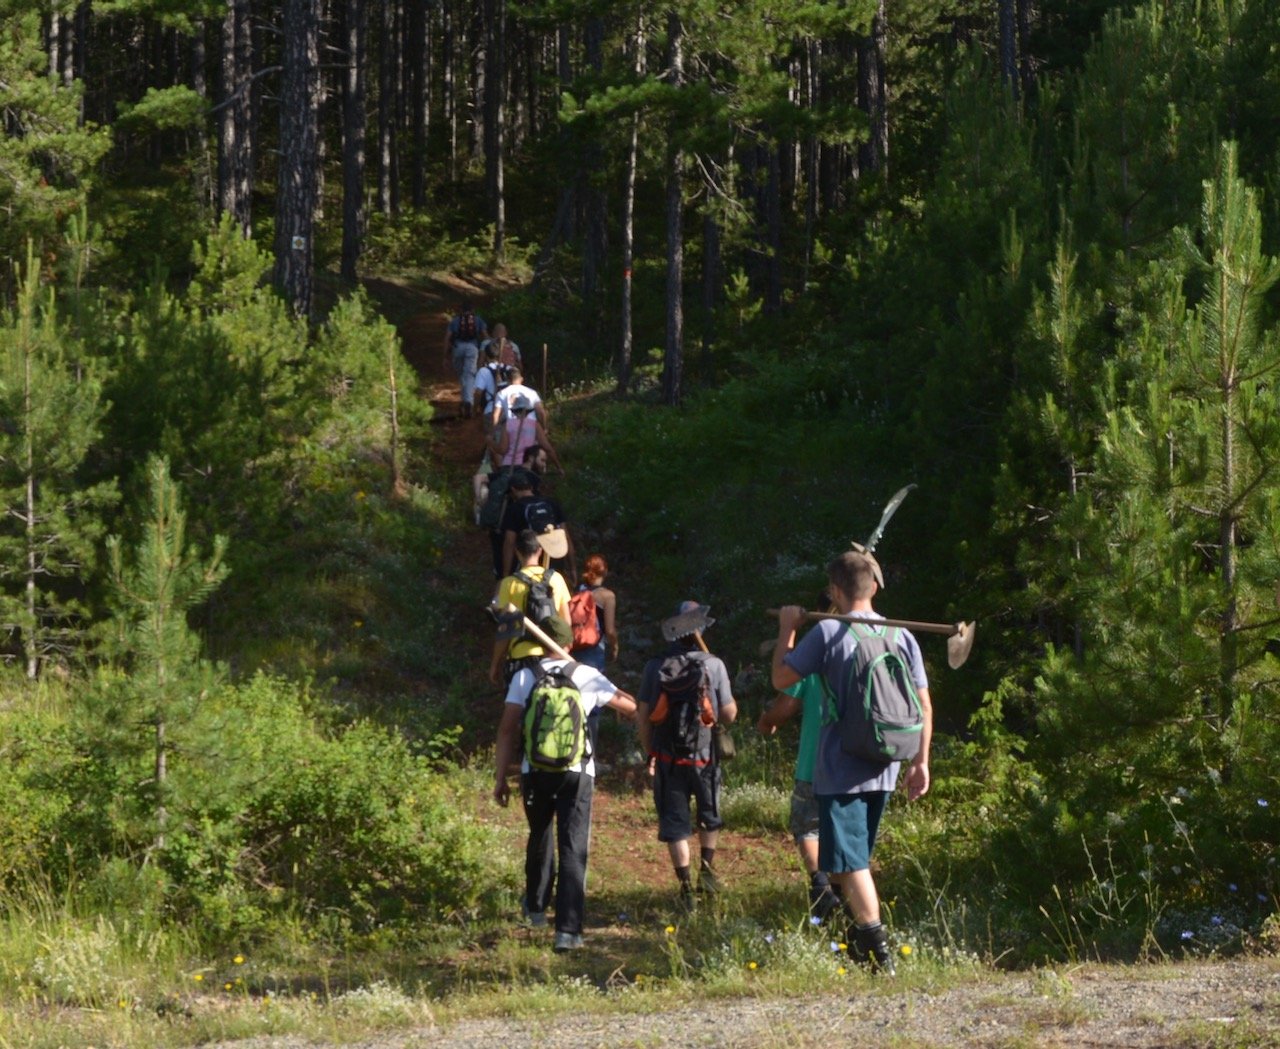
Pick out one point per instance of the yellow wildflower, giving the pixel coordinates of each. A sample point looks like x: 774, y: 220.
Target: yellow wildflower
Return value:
x: 905, y: 949
x: 238, y: 959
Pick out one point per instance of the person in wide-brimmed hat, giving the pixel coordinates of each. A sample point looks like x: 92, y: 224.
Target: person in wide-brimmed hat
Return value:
x: 684, y: 694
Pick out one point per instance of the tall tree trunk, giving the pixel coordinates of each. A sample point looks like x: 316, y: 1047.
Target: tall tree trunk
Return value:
x: 479, y: 69
x: 873, y: 98
x: 811, y: 165
x: 1009, y: 44
x: 1028, y: 64
x: 628, y: 219
x: 595, y: 202
x: 388, y: 189
x: 235, y: 156
x: 354, y: 126
x: 773, y: 229
x: 296, y: 193
x: 494, y: 119
x: 449, y: 85
x: 420, y: 66
x: 205, y: 181
x: 673, y: 363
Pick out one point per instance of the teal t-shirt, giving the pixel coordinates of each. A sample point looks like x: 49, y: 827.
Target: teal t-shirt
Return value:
x: 810, y: 692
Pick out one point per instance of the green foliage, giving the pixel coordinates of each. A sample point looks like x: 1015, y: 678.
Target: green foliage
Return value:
x: 52, y: 520
x: 47, y: 155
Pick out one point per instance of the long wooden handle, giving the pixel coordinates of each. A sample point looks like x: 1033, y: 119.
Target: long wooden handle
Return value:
x: 909, y: 624
x: 540, y: 634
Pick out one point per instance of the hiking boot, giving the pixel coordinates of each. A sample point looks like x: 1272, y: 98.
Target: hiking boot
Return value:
x: 567, y: 941
x: 537, y: 919
x: 686, y: 901
x: 823, y: 902
x: 708, y: 883
x: 870, y: 947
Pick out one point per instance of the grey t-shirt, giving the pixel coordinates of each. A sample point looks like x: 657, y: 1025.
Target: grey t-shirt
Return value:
x: 717, y: 677
x: 828, y: 650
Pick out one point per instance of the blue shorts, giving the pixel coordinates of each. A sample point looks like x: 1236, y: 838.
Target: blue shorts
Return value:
x: 847, y: 825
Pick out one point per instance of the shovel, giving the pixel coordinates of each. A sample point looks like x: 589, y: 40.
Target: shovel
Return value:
x: 959, y: 635
x: 533, y: 629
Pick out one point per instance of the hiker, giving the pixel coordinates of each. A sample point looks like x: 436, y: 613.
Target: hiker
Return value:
x: 461, y: 347
x: 505, y: 352
x: 535, y: 462
x: 807, y: 698
x: 491, y: 379
x: 520, y: 431
x: 543, y: 515
x: 550, y: 793
x: 593, y: 617
x: 516, y: 388
x: 684, y: 694
x: 852, y: 791
x: 530, y: 584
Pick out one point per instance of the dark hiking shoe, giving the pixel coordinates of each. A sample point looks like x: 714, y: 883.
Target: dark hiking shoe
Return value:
x: 823, y: 902
x: 708, y: 883
x: 686, y: 901
x: 870, y: 947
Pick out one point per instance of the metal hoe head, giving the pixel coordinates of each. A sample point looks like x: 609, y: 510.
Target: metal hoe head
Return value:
x: 959, y: 645
x: 695, y: 621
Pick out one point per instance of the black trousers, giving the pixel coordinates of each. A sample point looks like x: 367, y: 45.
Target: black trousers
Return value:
x: 565, y: 798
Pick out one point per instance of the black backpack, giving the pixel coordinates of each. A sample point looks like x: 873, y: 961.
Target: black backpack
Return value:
x: 683, y: 715
x: 539, y: 602
x: 495, y: 503
x: 466, y: 328
x: 881, y: 719
x: 540, y: 515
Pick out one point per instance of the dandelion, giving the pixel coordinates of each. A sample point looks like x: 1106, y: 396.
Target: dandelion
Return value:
x: 357, y: 623
x: 1187, y: 934
x: 751, y: 965
x: 843, y: 947
x: 238, y: 959
x: 123, y: 1003
x: 671, y: 930
x: 198, y: 977
x: 227, y: 986
x: 905, y: 950
x: 841, y: 971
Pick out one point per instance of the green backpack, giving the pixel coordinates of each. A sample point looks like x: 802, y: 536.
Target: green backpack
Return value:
x: 881, y: 719
x: 555, y: 723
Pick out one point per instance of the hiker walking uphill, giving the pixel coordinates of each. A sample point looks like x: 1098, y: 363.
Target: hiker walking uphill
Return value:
x: 543, y: 515
x: 808, y: 698
x: 684, y: 696
x: 593, y: 612
x: 462, y: 348
x: 545, y: 717
x: 515, y: 389
x: 537, y: 593
x: 865, y: 667
x: 505, y: 352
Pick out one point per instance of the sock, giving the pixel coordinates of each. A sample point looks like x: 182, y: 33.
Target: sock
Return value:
x: 686, y: 881
x: 708, y: 856
x: 819, y: 880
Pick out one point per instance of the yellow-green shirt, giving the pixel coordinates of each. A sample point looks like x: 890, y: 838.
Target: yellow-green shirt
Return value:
x: 513, y: 592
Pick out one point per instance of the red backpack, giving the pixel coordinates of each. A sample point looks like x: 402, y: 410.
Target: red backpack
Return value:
x: 583, y: 619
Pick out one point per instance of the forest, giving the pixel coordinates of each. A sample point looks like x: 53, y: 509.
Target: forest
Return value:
x: 788, y: 257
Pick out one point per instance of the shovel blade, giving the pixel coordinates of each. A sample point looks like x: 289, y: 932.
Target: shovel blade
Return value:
x: 959, y: 645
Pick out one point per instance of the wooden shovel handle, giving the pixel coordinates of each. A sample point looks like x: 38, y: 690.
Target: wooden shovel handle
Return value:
x: 909, y: 624
x: 539, y: 633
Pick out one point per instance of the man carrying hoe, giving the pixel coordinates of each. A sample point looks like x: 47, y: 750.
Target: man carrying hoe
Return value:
x: 852, y: 791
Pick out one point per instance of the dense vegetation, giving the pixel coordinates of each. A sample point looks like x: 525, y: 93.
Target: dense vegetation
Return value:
x: 1021, y: 254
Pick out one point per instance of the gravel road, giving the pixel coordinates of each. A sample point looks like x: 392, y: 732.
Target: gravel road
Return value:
x: 1191, y: 1005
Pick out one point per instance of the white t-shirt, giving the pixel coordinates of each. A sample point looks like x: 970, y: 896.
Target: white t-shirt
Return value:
x: 596, y: 691
x: 510, y: 393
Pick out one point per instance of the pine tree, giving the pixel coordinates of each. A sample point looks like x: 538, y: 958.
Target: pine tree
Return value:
x: 51, y: 522
x: 153, y: 590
